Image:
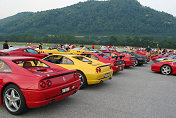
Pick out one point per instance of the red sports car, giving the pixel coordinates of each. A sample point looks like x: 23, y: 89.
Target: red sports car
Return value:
x: 22, y: 52
x: 28, y: 82
x: 143, y: 53
x: 160, y: 56
x: 117, y: 65
x: 129, y: 60
x: 165, y: 68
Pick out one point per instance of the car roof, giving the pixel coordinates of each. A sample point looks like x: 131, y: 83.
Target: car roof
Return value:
x: 11, y: 58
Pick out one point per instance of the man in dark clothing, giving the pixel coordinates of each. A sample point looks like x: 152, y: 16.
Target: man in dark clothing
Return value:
x: 5, y: 45
x: 40, y: 46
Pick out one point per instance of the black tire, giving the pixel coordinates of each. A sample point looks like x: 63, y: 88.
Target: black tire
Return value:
x: 166, y: 70
x: 50, y: 53
x: 11, y: 101
x: 83, y: 79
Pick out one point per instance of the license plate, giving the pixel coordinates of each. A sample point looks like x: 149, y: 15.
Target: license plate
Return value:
x: 64, y: 90
x: 107, y: 75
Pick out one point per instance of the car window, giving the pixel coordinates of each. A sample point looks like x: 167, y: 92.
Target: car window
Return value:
x: 66, y: 60
x: 83, y: 59
x: 94, y: 57
x: 30, y: 63
x: 77, y: 49
x: 61, y: 50
x: 107, y: 53
x: 4, y: 68
x: 104, y: 56
x: 31, y: 51
x: 86, y: 49
x: 56, y: 59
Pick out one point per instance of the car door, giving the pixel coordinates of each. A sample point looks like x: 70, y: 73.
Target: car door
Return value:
x: 5, y: 70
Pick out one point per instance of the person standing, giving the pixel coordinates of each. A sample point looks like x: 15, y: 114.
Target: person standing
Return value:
x: 93, y: 46
x: 5, y: 45
x: 148, y: 49
x: 40, y: 46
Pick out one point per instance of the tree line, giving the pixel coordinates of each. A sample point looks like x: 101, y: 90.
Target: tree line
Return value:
x: 136, y: 41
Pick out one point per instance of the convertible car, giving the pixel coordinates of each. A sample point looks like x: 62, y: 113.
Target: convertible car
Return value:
x: 165, y: 68
x: 22, y: 52
x: 54, y: 51
x: 80, y: 50
x: 117, y: 65
x: 89, y: 70
x: 28, y: 82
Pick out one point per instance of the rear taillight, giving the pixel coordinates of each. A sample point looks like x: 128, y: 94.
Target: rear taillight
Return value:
x: 42, y: 84
x: 98, y: 70
x: 48, y: 83
x: 110, y: 67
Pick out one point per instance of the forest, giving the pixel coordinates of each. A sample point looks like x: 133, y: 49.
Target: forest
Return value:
x: 137, y: 41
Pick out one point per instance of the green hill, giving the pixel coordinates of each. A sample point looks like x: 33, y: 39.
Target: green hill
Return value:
x: 112, y: 17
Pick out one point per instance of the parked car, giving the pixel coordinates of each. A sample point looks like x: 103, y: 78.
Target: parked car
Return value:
x: 89, y: 70
x: 54, y: 51
x: 22, y: 52
x: 129, y: 60
x: 80, y: 50
x: 117, y: 65
x: 29, y: 82
x: 140, y: 60
x: 165, y: 68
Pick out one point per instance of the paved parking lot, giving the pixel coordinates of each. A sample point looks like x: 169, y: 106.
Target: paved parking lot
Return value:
x: 134, y: 93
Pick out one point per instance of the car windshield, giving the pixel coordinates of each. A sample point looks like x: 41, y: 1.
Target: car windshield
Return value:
x: 86, y: 49
x: 107, y: 53
x: 104, y: 56
x: 31, y: 51
x: 30, y: 63
x: 61, y: 50
x: 77, y: 48
x: 11, y: 49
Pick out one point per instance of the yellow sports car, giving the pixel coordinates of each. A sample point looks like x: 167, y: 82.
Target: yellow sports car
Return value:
x: 89, y: 70
x: 80, y: 50
x: 168, y: 60
x: 54, y: 51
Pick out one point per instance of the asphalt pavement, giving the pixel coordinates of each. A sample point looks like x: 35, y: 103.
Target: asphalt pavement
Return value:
x: 135, y: 92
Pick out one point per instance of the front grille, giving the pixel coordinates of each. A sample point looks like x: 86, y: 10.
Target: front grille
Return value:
x: 133, y: 58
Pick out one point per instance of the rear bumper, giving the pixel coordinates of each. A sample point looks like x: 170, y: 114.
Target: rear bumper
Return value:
x: 37, y: 98
x: 130, y: 63
x: 98, y: 78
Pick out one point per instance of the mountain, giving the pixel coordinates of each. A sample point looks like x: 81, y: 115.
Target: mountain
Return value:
x: 92, y: 17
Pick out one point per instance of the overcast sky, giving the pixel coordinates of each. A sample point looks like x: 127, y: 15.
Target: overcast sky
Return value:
x: 12, y: 7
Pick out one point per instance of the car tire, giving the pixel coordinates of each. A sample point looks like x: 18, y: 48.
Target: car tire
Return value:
x: 166, y: 69
x: 13, y: 100
x: 136, y: 63
x: 83, y: 79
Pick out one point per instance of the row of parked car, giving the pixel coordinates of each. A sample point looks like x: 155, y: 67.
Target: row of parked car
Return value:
x: 32, y: 78
x: 164, y: 63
